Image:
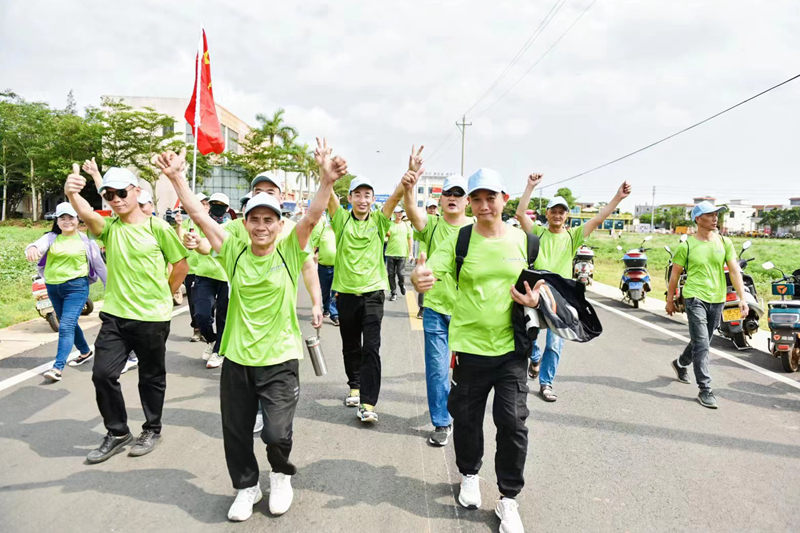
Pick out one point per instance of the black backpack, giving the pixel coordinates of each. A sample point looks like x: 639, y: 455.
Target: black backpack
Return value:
x: 524, y: 337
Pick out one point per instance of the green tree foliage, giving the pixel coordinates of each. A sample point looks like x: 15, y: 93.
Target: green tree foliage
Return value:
x: 341, y: 187
x: 780, y: 218
x: 270, y: 146
x: 567, y: 195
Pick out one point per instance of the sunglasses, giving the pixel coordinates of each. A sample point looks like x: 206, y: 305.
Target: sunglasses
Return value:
x: 458, y: 193
x: 122, y: 193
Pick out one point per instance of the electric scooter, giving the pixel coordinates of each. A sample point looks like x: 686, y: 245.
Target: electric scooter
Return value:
x: 583, y: 265
x: 784, y: 319
x: 732, y: 326
x: 45, y: 307
x: 635, y: 282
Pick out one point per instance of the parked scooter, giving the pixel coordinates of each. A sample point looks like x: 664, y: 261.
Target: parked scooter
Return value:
x: 784, y: 319
x: 583, y: 265
x: 635, y: 281
x: 680, y: 303
x: 732, y: 326
x: 45, y: 307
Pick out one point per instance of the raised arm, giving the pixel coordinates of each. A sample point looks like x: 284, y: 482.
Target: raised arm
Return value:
x: 330, y: 170
x: 173, y: 165
x: 622, y: 193
x: 90, y: 167
x: 394, y: 199
x: 72, y: 189
x: 524, y: 220
x: 416, y: 215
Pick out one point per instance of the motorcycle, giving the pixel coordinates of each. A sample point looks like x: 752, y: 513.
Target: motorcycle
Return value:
x: 784, y: 319
x: 680, y: 303
x: 583, y: 265
x: 635, y: 282
x: 45, y: 307
x: 732, y: 326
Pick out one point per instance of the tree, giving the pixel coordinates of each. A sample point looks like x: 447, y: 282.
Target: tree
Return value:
x: 341, y: 188
x: 566, y: 194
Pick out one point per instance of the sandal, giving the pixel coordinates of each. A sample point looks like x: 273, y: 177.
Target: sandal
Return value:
x: 547, y: 394
x: 533, y: 369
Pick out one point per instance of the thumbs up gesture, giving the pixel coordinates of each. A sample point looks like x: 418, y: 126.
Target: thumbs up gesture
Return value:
x: 422, y: 276
x: 75, y: 182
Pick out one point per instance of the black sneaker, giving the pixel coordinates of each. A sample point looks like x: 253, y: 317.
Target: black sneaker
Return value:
x: 145, y: 443
x: 707, y: 399
x: 419, y: 314
x: 393, y: 297
x: 680, y: 372
x: 335, y: 320
x: 440, y: 435
x: 108, y: 447
x: 403, y: 291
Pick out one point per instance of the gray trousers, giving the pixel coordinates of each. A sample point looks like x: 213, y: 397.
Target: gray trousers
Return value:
x: 703, y: 320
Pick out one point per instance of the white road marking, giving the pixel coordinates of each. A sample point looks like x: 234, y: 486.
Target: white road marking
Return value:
x: 715, y: 351
x: 33, y: 372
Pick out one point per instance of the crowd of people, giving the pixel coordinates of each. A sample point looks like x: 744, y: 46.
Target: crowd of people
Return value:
x: 242, y: 278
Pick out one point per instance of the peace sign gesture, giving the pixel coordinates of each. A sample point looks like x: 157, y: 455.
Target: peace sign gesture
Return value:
x: 415, y: 159
x: 329, y: 168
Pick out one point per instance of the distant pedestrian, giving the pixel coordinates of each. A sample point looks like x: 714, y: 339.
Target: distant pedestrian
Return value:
x: 398, y: 248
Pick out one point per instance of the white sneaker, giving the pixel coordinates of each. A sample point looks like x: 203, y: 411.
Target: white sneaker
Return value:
x: 470, y: 494
x: 130, y: 364
x: 280, y: 493
x: 209, y: 349
x: 507, y: 510
x: 242, y: 507
x: 259, y: 422
x: 215, y: 360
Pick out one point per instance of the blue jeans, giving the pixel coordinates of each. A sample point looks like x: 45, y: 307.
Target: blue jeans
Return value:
x: 437, y: 365
x: 703, y: 320
x: 68, y: 299
x: 325, y: 282
x: 550, y: 357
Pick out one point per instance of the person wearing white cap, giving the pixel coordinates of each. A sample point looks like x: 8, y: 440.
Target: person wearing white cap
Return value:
x: 360, y: 279
x: 703, y: 256
x: 482, y: 337
x: 146, y: 202
x: 559, y: 243
x: 262, y: 342
x: 398, y: 248
x: 432, y: 206
x: 431, y: 232
x: 69, y: 262
x: 137, y: 309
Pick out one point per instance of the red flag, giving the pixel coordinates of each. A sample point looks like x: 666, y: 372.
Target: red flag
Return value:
x: 209, y: 134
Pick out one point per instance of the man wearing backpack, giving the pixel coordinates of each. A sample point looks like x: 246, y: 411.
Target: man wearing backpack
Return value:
x: 559, y: 243
x: 485, y: 266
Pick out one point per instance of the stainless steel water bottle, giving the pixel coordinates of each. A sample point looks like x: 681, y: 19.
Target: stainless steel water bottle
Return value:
x: 315, y: 354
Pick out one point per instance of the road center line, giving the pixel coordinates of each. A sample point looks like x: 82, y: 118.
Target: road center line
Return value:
x: 715, y: 351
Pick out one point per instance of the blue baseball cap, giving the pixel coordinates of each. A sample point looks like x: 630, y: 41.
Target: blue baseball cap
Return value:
x: 705, y: 207
x: 485, y: 178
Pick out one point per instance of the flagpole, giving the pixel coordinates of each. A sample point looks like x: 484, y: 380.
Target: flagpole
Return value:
x: 197, y: 109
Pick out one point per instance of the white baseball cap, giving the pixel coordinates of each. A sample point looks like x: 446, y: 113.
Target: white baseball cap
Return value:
x: 263, y: 199
x: 398, y: 209
x: 200, y: 196
x: 118, y: 178
x: 485, y: 178
x: 432, y: 202
x: 65, y: 208
x: 456, y: 180
x: 145, y: 197
x: 220, y: 197
x: 266, y: 176
x: 360, y: 182
x: 557, y: 200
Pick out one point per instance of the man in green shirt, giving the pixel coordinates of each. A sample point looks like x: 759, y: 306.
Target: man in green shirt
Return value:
x: 138, y: 306
x: 482, y: 337
x: 360, y: 280
x: 324, y: 242
x: 262, y: 342
x: 703, y: 256
x: 558, y: 244
x: 398, y: 248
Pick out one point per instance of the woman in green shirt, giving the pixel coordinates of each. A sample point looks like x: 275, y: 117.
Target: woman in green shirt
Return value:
x: 262, y: 341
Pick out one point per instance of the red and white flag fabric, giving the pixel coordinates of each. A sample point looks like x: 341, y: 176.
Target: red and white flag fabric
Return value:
x: 208, y: 131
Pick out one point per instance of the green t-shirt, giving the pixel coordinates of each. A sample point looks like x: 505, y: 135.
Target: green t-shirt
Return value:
x: 201, y: 264
x: 137, y: 255
x: 359, y: 264
x: 323, y: 237
x: 397, y: 245
x: 481, y: 319
x: 262, y: 328
x: 556, y: 250
x: 66, y: 260
x: 436, y: 231
x: 705, y: 274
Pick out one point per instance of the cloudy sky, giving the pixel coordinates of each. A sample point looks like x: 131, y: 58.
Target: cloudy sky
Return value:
x: 548, y: 85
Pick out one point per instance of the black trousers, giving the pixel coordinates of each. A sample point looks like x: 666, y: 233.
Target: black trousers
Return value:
x: 473, y: 377
x: 188, y: 282
x: 360, y: 317
x: 242, y: 389
x: 394, y: 266
x: 210, y: 298
x: 117, y: 337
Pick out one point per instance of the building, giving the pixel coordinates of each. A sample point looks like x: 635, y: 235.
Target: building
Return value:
x: 740, y: 217
x: 430, y: 186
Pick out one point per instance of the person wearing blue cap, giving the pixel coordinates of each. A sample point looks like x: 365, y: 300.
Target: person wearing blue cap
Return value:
x: 481, y: 335
x: 558, y: 245
x: 703, y: 256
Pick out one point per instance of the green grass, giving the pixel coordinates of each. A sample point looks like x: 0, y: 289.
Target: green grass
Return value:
x: 16, y: 303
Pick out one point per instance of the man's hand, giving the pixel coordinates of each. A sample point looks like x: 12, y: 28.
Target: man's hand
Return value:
x: 534, y: 179
x: 75, y: 182
x: 743, y: 308
x: 90, y: 167
x: 316, y: 316
x: 624, y: 191
x: 415, y: 159
x: 191, y: 240
x: 670, y: 309
x: 530, y: 298
x: 410, y: 178
x: 330, y: 168
x: 32, y: 253
x: 422, y: 277
x: 172, y: 164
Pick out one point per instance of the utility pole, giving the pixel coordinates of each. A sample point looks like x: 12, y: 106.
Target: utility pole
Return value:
x: 463, y: 127
x: 653, y: 211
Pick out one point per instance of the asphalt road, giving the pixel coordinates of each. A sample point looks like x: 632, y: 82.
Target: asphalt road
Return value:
x: 625, y: 448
